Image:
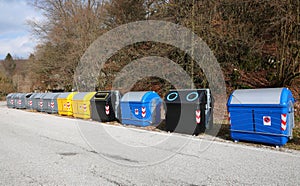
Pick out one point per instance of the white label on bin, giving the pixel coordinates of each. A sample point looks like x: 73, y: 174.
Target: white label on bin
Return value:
x: 52, y: 104
x: 136, y: 111
x: 107, y: 109
x: 143, y: 112
x: 68, y: 105
x: 198, y: 116
x: 283, y: 122
x: 267, y: 120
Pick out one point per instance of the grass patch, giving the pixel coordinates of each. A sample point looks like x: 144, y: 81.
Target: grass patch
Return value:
x: 297, y: 121
x: 295, y: 142
x: 224, y: 132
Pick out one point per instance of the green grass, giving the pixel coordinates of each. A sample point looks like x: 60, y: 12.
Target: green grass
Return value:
x: 295, y: 142
x: 297, y: 120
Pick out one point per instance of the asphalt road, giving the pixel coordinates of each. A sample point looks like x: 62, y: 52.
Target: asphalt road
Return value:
x: 42, y: 149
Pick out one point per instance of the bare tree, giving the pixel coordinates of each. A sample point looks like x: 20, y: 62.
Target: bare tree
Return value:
x: 71, y: 26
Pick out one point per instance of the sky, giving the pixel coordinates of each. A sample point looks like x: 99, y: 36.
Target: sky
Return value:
x: 15, y: 34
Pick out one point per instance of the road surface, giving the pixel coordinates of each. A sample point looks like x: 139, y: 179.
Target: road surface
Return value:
x: 43, y: 149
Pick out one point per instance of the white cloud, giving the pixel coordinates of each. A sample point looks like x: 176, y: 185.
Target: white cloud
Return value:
x: 20, y: 46
x: 15, y: 36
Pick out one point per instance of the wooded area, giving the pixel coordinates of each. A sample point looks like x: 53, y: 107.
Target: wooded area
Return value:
x: 257, y: 42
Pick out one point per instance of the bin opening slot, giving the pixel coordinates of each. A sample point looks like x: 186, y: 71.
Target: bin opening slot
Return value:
x: 192, y: 96
x: 101, y: 95
x: 172, y: 96
x: 28, y: 95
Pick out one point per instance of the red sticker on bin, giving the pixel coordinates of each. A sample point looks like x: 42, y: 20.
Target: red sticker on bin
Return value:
x: 267, y: 120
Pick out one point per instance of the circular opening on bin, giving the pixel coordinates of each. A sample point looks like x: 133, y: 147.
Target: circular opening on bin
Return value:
x: 172, y: 96
x: 192, y: 96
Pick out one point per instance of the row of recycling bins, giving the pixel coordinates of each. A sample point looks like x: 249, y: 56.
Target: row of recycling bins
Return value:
x: 256, y: 115
x: 133, y: 108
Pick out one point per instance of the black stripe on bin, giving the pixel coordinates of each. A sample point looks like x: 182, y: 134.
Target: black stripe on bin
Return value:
x: 253, y: 119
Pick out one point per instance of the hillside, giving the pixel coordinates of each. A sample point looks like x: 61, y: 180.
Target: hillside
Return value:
x: 255, y: 42
x: 23, y: 81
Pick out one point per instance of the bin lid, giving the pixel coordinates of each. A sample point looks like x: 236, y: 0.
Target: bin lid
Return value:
x: 141, y: 96
x: 33, y: 95
x: 187, y: 96
x: 102, y: 95
x: 39, y: 95
x: 15, y: 95
x: 19, y: 95
x: 84, y: 96
x: 28, y: 95
x: 64, y: 95
x: 23, y: 95
x: 261, y: 96
x: 50, y: 95
x: 10, y: 95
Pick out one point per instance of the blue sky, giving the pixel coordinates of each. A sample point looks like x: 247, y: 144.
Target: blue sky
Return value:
x: 15, y: 35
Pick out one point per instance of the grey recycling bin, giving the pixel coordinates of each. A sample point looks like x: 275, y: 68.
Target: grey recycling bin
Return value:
x: 189, y: 111
x: 50, y: 103
x: 29, y: 101
x: 44, y: 103
x: 105, y: 106
x: 22, y: 100
x: 37, y: 102
x: 19, y: 100
x: 10, y: 100
x: 16, y: 99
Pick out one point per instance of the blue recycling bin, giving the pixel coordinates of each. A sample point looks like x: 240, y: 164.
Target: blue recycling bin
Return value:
x: 141, y: 108
x: 262, y: 115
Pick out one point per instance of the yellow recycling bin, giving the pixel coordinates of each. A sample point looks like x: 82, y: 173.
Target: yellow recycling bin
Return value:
x: 81, y: 105
x: 64, y: 103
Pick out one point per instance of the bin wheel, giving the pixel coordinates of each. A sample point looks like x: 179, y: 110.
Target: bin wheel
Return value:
x: 277, y: 146
x: 235, y: 141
